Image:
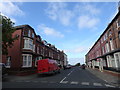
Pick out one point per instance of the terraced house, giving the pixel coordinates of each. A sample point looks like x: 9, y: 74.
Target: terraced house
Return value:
x: 105, y: 53
x: 28, y: 49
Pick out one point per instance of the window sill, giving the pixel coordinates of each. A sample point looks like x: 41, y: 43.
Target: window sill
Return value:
x: 28, y: 48
x: 26, y: 66
x: 7, y: 66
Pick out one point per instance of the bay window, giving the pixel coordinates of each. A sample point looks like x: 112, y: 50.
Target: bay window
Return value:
x: 27, y: 60
x: 28, y: 43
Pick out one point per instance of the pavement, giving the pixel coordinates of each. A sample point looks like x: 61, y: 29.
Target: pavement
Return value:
x: 106, y: 75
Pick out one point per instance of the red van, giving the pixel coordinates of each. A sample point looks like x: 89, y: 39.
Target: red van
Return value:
x: 47, y: 66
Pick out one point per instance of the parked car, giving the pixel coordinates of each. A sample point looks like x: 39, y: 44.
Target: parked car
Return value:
x: 3, y: 70
x: 67, y: 67
x: 47, y: 66
x: 83, y: 66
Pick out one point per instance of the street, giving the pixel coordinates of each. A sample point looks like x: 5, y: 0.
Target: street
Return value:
x: 69, y: 78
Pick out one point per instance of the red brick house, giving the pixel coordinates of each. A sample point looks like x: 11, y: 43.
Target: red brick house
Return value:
x: 105, y: 53
x: 29, y: 48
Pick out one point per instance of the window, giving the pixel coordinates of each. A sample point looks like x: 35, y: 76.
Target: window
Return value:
x: 110, y: 33
x: 33, y: 35
x: 119, y: 34
x: 8, y: 63
x: 28, y: 43
x: 37, y: 58
x: 111, y: 44
x: 31, y: 44
x: 107, y: 47
x: 38, y: 49
x: 118, y: 24
x: 104, y: 38
x: 33, y: 48
x: 24, y: 60
x: 27, y: 60
x: 101, y: 40
x: 29, y: 32
x: 25, y: 33
x: 117, y: 58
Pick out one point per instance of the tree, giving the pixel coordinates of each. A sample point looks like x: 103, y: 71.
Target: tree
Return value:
x: 7, y: 30
x: 78, y: 64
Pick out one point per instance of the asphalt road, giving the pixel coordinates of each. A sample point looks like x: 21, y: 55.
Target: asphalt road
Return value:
x: 69, y: 78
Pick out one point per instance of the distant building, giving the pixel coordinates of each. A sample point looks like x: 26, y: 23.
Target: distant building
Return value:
x: 29, y: 48
x: 105, y: 53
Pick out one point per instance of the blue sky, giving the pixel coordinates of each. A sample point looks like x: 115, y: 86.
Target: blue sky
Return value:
x: 72, y: 27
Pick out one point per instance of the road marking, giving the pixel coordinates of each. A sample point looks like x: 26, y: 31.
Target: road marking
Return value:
x: 19, y: 81
x: 43, y: 81
x: 107, y: 85
x: 12, y: 80
x: 74, y: 82
x: 64, y: 82
x: 35, y: 81
x: 69, y: 74
x: 52, y: 82
x: 27, y: 81
x: 97, y: 84
x: 85, y: 83
x: 62, y: 79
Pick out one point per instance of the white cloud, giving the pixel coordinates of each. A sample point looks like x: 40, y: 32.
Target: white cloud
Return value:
x: 13, y: 20
x: 59, y: 12
x: 10, y: 9
x: 65, y: 17
x: 86, y: 8
x: 50, y: 31
x: 77, y: 50
x: 91, y: 9
x: 83, y: 13
x: 87, y: 22
x: 87, y: 15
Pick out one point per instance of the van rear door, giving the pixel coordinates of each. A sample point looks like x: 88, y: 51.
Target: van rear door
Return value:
x: 43, y: 66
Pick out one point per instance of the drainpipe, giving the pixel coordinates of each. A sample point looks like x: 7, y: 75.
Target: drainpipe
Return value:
x: 100, y: 65
x: 93, y: 64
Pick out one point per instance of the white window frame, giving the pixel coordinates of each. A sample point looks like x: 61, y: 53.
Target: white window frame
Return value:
x: 118, y: 25
x: 29, y: 33
x: 117, y: 59
x: 31, y: 44
x: 36, y: 59
x: 33, y: 47
x: 107, y: 47
x: 8, y: 63
x: 110, y: 32
x: 119, y: 34
x: 28, y: 43
x: 27, y: 60
x: 111, y: 45
x: 33, y: 35
x: 38, y: 49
